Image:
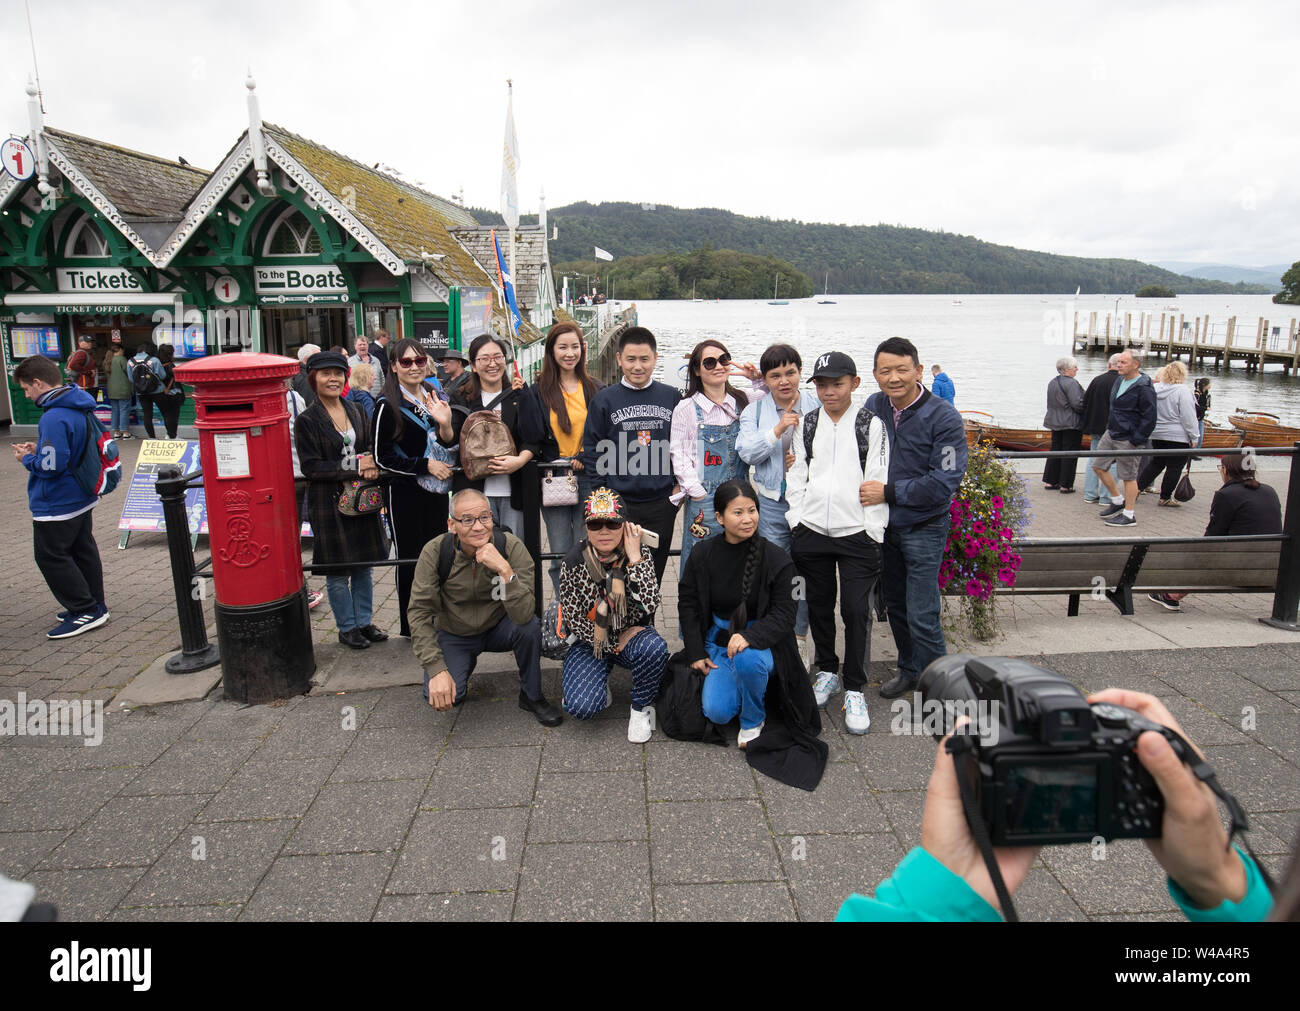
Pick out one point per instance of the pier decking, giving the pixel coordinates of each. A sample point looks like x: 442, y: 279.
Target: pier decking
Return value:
x: 1198, y: 338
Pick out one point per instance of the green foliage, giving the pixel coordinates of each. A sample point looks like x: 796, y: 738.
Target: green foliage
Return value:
x: 1155, y: 291
x: 862, y: 259
x: 715, y: 273
x: 1290, y: 293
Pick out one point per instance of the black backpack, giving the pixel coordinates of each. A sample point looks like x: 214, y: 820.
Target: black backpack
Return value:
x: 861, y: 429
x: 447, y: 552
x: 679, y: 709
x: 144, y: 379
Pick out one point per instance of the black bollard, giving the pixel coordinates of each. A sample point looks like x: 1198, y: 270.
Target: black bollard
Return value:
x: 1286, y: 597
x: 196, y: 652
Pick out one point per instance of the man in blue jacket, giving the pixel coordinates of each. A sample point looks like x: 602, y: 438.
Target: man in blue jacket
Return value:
x: 62, y: 512
x: 927, y: 458
x: 1132, y: 420
x: 942, y: 386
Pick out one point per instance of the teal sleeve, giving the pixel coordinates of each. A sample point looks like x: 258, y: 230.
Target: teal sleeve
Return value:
x: 1254, y: 906
x: 920, y: 890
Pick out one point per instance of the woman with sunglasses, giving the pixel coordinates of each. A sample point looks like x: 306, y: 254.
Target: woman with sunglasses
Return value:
x: 407, y: 411
x: 512, y: 489
x: 557, y: 414
x: 608, y: 596
x: 703, y: 441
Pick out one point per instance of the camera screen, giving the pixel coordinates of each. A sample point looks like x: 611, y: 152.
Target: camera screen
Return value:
x: 1043, y: 799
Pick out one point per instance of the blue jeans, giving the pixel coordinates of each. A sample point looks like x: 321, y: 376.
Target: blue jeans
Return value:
x: 506, y: 515
x: 564, y: 529
x: 585, y: 678
x: 1092, y: 489
x: 736, y: 685
x: 351, y: 606
x: 911, y: 585
x: 121, y: 413
x: 773, y: 527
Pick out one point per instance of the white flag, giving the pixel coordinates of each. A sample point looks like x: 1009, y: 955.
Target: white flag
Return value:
x: 602, y: 254
x: 510, y: 167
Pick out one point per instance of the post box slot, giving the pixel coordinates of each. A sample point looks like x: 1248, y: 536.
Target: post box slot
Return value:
x: 227, y: 408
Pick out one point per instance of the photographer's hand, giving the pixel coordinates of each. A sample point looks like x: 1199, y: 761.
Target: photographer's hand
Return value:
x: 946, y: 836
x: 1193, y: 845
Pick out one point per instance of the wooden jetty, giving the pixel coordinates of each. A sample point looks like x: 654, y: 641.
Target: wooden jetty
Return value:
x: 1197, y: 338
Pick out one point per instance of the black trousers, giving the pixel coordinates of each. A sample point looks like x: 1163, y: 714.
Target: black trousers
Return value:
x: 415, y: 517
x: 1062, y: 471
x: 1171, y: 465
x: 168, y: 407
x: 858, y: 559
x: 68, y: 557
x: 660, y: 516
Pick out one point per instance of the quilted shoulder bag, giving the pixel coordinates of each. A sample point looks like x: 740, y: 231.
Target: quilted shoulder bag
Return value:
x: 360, y: 497
x: 559, y: 484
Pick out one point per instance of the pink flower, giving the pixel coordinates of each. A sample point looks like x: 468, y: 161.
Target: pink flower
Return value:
x: 971, y: 548
x: 1007, y: 576
x: 1007, y: 534
x: 978, y: 527
x: 973, y: 589
x: 996, y: 502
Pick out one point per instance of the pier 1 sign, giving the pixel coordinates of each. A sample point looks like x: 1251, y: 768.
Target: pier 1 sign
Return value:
x: 324, y: 284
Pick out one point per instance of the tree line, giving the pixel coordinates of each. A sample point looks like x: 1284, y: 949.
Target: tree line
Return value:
x: 710, y: 273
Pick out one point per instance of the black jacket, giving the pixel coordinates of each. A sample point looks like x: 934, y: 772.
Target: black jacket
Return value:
x: 1133, y: 412
x: 1238, y: 510
x: 1096, y: 403
x: 789, y: 749
x: 404, y: 458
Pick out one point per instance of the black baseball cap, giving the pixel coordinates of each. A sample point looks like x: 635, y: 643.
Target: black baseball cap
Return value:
x: 833, y: 365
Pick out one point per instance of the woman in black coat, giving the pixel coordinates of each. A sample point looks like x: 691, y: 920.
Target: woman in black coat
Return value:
x: 328, y: 435
x: 173, y: 392
x: 740, y: 566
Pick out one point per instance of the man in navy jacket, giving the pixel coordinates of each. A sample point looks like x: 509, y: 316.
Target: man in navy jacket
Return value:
x: 927, y: 459
x: 1132, y: 420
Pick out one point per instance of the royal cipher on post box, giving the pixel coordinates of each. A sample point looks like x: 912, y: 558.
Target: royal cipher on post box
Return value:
x: 263, y: 627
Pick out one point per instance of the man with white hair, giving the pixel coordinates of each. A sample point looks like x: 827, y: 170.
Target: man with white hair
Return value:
x: 1132, y: 419
x: 1096, y: 413
x: 1064, y: 414
x: 300, y: 384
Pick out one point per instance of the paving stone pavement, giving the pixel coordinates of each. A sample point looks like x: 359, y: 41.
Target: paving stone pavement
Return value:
x: 368, y: 805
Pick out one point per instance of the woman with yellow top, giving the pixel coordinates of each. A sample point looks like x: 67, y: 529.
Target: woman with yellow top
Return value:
x: 557, y: 414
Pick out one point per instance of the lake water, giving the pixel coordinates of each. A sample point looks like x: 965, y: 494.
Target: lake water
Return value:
x: 1000, y: 350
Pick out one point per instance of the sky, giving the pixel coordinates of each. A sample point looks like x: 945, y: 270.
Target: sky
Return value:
x: 1144, y: 129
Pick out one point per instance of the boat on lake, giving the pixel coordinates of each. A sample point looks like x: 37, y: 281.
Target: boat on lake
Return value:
x: 826, y: 289
x: 777, y: 301
x: 1261, y: 429
x: 980, y: 428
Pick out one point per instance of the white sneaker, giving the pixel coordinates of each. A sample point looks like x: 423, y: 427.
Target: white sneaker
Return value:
x: 745, y: 736
x: 641, y: 725
x: 856, y: 717
x: 825, y: 684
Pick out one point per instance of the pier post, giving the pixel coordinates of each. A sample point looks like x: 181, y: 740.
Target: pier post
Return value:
x: 1074, y: 332
x: 1294, y: 344
x: 1092, y: 327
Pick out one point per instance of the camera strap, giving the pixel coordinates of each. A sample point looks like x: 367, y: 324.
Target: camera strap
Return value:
x: 962, y: 749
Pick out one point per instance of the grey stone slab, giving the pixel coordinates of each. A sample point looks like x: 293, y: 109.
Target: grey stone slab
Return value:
x: 406, y: 707
x: 127, y: 830
x: 492, y: 722
x: 686, y: 770
x: 21, y: 851
x: 390, y: 753
x: 176, y: 914
x: 478, y: 907
x: 1201, y: 726
x: 193, y: 767
x: 22, y: 768
x: 842, y: 802
x: 585, y: 881
x: 1259, y: 779
x: 593, y: 746
x: 1040, y: 898
x: 754, y: 902
x: 904, y: 809
x: 1278, y: 673
x: 1128, y: 881
x: 316, y: 728
x: 589, y: 807
x: 1224, y: 693
x: 825, y: 870
x: 119, y: 747
x: 84, y: 895
x: 321, y: 888
x: 64, y: 799
x: 269, y: 790
x: 1280, y: 731
x: 229, y: 720
x: 895, y: 763
x: 461, y: 851
x: 217, y: 862
x: 1142, y: 918
x: 1283, y: 826
x: 484, y: 777
x: 357, y: 817
x: 703, y: 841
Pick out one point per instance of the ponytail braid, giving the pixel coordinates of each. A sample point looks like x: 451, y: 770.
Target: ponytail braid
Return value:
x: 740, y: 616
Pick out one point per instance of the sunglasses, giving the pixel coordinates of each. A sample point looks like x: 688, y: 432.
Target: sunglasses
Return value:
x: 413, y: 363
x: 604, y: 524
x: 712, y: 363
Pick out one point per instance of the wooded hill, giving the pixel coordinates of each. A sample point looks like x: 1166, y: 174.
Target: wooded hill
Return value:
x: 710, y: 273
x: 862, y: 259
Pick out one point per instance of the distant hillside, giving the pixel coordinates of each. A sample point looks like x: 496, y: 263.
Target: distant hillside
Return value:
x: 706, y: 273
x: 867, y: 259
x: 1232, y: 273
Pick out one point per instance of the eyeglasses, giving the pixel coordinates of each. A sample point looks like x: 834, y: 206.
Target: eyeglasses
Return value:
x: 475, y: 521
x: 490, y: 360
x: 413, y: 363
x: 712, y: 363
x: 604, y: 524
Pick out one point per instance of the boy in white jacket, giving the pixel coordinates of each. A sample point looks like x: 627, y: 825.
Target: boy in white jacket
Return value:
x: 830, y: 528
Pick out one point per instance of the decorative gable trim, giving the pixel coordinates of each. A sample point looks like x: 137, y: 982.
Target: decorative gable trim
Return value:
x: 219, y: 183
x: 101, y: 203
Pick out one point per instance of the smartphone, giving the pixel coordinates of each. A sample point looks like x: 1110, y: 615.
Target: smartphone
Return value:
x: 649, y: 538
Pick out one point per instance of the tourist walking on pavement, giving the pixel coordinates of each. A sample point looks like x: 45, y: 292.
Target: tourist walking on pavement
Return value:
x: 1176, y: 428
x: 332, y: 436
x: 1064, y: 415
x: 608, y: 595
x: 473, y: 594
x: 1202, y: 387
x: 119, y: 392
x: 927, y: 460
x: 942, y: 386
x: 1132, y: 419
x: 839, y: 453
x: 147, y: 377
x: 766, y: 443
x: 556, y: 417
x: 378, y: 368
x: 704, y: 429
x: 63, y: 526
x: 1096, y: 413
x: 173, y: 392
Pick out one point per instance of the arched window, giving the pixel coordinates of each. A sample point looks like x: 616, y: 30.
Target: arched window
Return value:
x: 86, y: 240
x: 291, y: 235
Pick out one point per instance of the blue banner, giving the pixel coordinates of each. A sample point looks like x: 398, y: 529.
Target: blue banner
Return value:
x: 508, y: 286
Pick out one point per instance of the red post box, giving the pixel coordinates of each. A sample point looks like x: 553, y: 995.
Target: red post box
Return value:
x: 263, y: 628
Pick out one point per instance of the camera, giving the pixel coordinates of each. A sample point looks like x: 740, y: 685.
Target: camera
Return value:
x: 1052, y: 767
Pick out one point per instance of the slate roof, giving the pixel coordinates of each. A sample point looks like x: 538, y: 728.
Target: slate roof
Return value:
x: 530, y: 248
x: 141, y: 186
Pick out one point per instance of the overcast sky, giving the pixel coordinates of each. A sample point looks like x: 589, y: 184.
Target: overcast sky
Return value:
x: 1156, y: 130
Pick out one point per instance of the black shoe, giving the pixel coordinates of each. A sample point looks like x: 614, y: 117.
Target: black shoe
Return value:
x: 897, y: 686
x: 354, y: 639
x: 547, y: 715
x: 374, y: 634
